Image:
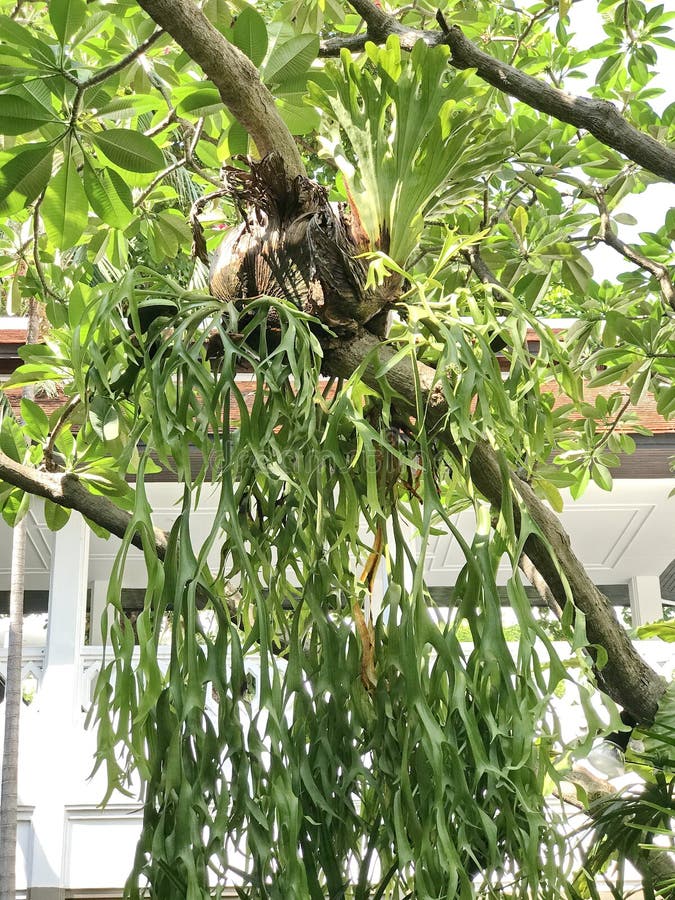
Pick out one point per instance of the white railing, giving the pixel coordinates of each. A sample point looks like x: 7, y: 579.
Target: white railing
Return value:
x: 658, y: 654
x: 32, y: 667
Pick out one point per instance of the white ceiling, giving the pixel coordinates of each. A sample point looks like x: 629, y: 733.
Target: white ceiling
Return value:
x: 630, y: 531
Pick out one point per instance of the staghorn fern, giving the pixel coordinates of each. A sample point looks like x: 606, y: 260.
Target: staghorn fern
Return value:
x: 408, y: 138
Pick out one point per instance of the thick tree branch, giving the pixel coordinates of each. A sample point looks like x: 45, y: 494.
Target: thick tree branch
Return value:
x: 332, y: 46
x: 67, y: 490
x: 232, y: 72
x: 599, y: 117
x: 377, y: 20
x: 625, y: 677
x: 408, y: 37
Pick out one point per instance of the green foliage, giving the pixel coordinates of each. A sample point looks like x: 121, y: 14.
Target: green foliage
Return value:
x: 410, y: 143
x: 420, y: 771
x: 637, y: 825
x: 340, y: 771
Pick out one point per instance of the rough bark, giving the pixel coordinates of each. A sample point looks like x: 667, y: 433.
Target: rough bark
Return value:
x: 600, y: 117
x: 232, y: 72
x: 68, y: 491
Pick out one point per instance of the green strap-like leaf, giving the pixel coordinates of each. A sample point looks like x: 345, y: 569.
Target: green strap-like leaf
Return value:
x: 18, y: 116
x: 129, y: 150
x: 65, y: 207
x: 67, y: 16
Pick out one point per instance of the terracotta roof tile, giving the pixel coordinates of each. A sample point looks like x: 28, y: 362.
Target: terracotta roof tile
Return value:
x: 647, y: 414
x: 13, y: 336
x: 646, y: 411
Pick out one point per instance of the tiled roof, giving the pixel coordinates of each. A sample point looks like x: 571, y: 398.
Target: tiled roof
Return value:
x: 47, y: 403
x: 646, y: 413
x: 12, y: 338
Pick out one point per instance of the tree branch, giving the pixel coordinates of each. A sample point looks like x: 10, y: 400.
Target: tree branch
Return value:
x: 599, y: 117
x: 609, y: 237
x: 377, y: 20
x: 626, y: 678
x: 124, y: 62
x: 67, y: 490
x: 534, y: 576
x: 481, y: 270
x: 233, y: 73
x: 334, y: 45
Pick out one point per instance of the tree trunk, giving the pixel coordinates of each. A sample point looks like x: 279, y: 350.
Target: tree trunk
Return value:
x: 10, y: 758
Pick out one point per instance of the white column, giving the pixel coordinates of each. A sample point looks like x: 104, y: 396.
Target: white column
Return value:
x: 646, y: 604
x: 58, y: 703
x: 99, y: 593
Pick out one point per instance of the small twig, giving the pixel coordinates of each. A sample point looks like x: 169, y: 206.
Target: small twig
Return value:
x: 125, y: 61
x: 527, y: 30
x: 486, y: 208
x: 508, y: 201
x: 626, y: 23
x: 442, y: 24
x: 177, y: 164
x: 169, y: 119
x: 607, y: 434
x: 190, y: 148
x: 481, y: 270
x: 554, y: 78
x: 107, y: 73
x: 609, y: 237
x: 538, y: 582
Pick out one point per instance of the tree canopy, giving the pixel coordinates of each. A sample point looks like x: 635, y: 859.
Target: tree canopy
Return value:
x: 368, y: 211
